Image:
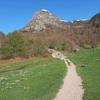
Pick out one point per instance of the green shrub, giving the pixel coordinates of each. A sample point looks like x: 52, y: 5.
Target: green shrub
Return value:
x: 6, y: 52
x: 86, y: 46
x: 14, y: 46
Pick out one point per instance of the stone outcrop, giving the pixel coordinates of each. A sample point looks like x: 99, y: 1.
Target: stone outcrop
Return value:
x: 43, y: 19
x: 40, y: 19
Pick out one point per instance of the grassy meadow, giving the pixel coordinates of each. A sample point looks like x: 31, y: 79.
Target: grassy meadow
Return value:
x: 88, y: 67
x: 37, y: 79
x: 41, y: 78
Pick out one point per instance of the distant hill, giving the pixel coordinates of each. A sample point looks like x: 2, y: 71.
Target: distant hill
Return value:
x: 40, y: 19
x: 78, y: 32
x: 95, y: 20
x: 46, y: 30
x: 43, y: 18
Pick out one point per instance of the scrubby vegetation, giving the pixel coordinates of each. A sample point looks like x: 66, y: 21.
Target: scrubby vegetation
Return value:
x: 68, y: 37
x: 17, y: 44
x: 14, y: 46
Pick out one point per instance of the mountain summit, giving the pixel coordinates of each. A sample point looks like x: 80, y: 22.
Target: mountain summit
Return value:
x: 40, y: 19
x: 45, y: 30
x: 78, y: 32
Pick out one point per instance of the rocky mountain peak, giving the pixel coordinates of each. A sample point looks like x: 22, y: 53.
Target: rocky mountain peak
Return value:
x: 40, y: 19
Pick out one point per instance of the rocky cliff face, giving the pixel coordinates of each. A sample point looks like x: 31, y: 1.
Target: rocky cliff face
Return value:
x: 43, y: 18
x: 40, y: 19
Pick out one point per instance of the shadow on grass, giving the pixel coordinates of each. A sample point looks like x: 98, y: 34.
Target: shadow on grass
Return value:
x: 15, y: 69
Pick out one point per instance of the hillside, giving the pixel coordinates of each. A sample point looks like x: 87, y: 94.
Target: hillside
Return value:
x: 46, y: 30
x: 79, y: 32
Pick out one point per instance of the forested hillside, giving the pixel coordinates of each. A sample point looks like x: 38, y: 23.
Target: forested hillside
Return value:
x: 45, y: 30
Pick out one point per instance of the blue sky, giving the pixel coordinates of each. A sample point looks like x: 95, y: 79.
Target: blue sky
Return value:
x: 15, y: 14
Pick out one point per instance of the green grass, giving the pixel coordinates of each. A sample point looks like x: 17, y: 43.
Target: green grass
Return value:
x: 40, y: 80
x: 88, y: 67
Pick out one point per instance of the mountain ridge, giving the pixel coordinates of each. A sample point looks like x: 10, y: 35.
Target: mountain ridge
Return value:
x: 81, y: 32
x: 46, y: 30
x: 43, y: 17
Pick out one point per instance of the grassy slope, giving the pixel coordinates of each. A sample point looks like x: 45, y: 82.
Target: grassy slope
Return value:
x: 40, y: 80
x: 88, y: 62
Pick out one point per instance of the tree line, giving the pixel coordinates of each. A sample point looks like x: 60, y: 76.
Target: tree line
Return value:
x: 16, y: 45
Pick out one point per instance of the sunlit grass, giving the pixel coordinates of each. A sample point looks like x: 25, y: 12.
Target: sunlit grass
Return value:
x: 88, y: 67
x: 40, y: 80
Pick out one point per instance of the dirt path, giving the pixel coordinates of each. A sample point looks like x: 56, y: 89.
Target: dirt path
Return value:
x: 72, y: 88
